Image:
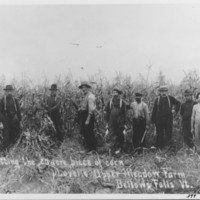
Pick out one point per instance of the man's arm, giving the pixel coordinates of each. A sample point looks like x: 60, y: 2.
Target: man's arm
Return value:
x: 91, y: 107
x: 57, y: 106
x: 1, y: 110
x: 182, y: 110
x: 176, y: 103
x: 193, y: 120
x: 147, y: 117
x: 124, y: 111
x: 153, y: 117
x: 18, y: 110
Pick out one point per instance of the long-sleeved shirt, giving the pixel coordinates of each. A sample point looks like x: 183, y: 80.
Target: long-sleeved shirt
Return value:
x: 9, y: 107
x: 140, y: 110
x: 186, y: 110
x: 53, y: 104
x: 115, y: 111
x: 195, y: 120
x: 163, y: 108
x: 88, y: 103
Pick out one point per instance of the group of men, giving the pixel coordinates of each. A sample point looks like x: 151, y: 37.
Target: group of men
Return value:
x: 165, y: 107
x: 162, y: 117
x: 10, y: 115
x: 115, y: 113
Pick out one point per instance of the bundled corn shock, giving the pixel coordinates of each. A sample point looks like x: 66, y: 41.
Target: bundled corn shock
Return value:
x: 38, y: 132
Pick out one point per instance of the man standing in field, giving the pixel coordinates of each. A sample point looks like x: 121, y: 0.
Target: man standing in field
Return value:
x: 186, y: 114
x: 87, y: 117
x: 162, y: 116
x: 195, y: 123
x: 115, y: 111
x: 10, y: 116
x: 141, y: 121
x: 53, y: 106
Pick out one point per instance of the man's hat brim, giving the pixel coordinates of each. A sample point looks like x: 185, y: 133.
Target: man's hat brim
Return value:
x: 117, y: 90
x: 86, y: 85
x: 138, y: 95
x: 8, y: 88
x: 188, y: 93
x: 163, y: 89
x: 53, y: 87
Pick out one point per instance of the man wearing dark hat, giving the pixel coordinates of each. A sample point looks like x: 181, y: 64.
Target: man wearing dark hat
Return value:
x: 186, y: 113
x: 141, y: 121
x: 87, y: 117
x: 115, y: 115
x: 10, y: 116
x: 162, y: 116
x: 54, y: 111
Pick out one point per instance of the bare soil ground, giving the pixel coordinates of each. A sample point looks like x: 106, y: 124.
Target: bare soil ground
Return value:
x: 70, y: 169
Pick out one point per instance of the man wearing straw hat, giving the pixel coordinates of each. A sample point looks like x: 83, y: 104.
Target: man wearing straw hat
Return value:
x: 162, y: 116
x: 54, y: 107
x: 186, y: 114
x: 115, y: 115
x: 87, y: 117
x: 10, y: 116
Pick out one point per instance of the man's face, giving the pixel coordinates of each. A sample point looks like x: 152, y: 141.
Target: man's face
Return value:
x: 138, y: 99
x: 198, y: 98
x: 53, y: 92
x: 9, y: 92
x: 163, y: 93
x: 188, y: 97
x: 84, y: 89
x: 115, y: 94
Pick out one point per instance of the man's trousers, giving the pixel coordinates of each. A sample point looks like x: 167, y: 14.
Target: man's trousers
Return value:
x: 164, y: 131
x: 88, y: 130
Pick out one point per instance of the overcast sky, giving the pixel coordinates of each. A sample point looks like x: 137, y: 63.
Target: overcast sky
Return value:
x: 49, y: 40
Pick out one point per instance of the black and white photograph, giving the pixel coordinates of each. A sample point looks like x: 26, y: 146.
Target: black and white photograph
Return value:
x: 100, y: 100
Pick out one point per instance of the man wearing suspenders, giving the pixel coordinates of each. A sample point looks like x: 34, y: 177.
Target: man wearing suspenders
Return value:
x: 162, y: 116
x: 10, y: 116
x: 53, y: 107
x: 115, y: 115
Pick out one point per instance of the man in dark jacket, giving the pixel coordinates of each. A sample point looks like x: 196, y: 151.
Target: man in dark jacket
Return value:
x: 115, y: 111
x: 10, y: 116
x: 162, y: 116
x: 54, y: 111
x: 186, y: 113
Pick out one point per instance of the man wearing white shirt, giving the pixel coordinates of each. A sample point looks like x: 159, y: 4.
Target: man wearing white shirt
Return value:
x: 87, y: 118
x: 141, y: 120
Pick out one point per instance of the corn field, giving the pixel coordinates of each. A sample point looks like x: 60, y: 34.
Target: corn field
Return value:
x: 28, y: 168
